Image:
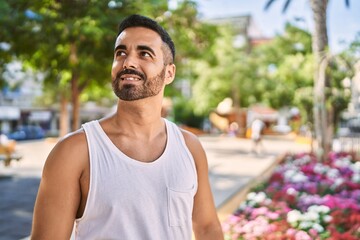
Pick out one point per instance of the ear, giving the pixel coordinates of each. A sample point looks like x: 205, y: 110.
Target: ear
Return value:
x: 170, y: 73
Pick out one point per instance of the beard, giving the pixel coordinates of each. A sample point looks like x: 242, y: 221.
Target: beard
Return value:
x: 131, y: 92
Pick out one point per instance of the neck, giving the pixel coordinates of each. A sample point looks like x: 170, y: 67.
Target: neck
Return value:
x: 139, y: 117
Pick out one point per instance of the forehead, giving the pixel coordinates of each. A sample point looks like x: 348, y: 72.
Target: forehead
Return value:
x: 139, y: 36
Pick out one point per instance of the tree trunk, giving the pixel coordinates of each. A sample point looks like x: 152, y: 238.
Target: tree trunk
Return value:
x: 322, y: 125
x: 64, y: 115
x: 236, y: 101
x: 75, y: 99
x: 75, y: 92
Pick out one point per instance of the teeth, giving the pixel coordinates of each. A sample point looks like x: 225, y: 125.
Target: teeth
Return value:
x: 130, y: 79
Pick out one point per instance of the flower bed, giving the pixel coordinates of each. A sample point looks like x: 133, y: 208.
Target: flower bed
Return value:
x: 303, y: 199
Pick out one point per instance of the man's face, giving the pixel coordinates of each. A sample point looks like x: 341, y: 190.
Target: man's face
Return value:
x: 138, y: 70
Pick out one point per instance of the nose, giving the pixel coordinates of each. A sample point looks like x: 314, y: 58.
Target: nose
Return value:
x: 130, y: 62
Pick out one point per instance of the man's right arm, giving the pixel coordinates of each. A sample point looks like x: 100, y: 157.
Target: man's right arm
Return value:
x: 59, y: 193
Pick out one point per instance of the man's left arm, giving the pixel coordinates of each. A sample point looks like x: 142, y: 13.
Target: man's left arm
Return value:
x: 206, y: 224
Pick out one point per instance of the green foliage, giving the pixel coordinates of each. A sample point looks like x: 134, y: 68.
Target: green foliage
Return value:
x: 285, y: 71
x: 304, y: 98
x: 342, y: 66
x: 67, y: 39
x: 184, y: 114
x: 64, y: 39
x: 213, y: 83
x: 77, y: 37
x: 193, y: 39
x: 100, y: 94
x: 269, y: 74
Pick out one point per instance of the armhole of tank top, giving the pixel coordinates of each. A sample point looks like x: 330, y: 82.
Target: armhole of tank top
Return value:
x: 88, y: 127
x: 180, y: 134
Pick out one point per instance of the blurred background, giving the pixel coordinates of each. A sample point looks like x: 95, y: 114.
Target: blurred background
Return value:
x: 236, y: 61
x: 295, y: 65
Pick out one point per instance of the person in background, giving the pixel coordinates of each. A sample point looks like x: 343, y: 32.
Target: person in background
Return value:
x: 133, y: 175
x: 257, y: 126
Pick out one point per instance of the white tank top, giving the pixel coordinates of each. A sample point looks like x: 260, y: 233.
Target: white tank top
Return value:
x: 133, y: 200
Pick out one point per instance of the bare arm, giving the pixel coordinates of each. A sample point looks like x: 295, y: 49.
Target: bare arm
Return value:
x: 59, y: 193
x: 205, y: 221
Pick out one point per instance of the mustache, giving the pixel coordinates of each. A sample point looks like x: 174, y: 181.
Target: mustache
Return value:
x: 130, y: 71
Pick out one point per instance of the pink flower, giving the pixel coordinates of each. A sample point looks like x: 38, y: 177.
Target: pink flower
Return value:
x: 342, y: 203
x: 313, y: 232
x: 291, y: 232
x: 302, y: 235
x: 259, y: 211
x: 273, y: 215
x: 233, y: 219
x: 226, y: 227
x: 337, y: 191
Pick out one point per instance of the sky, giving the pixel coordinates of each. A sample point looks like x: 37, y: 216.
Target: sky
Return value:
x: 343, y: 23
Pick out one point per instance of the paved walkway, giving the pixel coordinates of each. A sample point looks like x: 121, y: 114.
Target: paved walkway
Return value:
x: 231, y: 169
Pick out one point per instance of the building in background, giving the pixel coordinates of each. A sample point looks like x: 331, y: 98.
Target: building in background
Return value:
x: 17, y: 98
x: 246, y: 31
x: 18, y: 108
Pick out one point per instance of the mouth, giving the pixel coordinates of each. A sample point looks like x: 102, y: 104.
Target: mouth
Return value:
x: 130, y: 78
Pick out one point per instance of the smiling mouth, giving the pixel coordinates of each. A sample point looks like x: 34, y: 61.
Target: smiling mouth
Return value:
x: 130, y: 78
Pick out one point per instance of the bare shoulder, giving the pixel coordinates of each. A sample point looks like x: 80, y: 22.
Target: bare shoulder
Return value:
x: 195, y: 147
x: 73, y: 140
x: 70, y: 152
x: 191, y: 140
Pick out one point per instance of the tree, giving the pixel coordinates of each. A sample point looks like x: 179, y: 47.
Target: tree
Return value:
x: 284, y: 65
x: 270, y: 74
x: 323, y: 112
x: 72, y: 41
x: 215, y: 76
x: 260, y: 74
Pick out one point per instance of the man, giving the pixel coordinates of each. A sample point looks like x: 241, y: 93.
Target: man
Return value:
x: 133, y: 175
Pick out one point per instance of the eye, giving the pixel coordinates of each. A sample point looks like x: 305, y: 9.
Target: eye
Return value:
x: 145, y: 54
x: 120, y: 53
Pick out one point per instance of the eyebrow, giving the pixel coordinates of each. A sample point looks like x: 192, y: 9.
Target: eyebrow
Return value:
x: 140, y: 47
x: 122, y: 47
x: 143, y: 47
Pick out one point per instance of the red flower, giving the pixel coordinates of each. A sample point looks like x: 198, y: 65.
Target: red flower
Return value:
x: 276, y: 177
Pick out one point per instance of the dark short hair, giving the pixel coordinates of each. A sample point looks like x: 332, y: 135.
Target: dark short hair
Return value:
x: 142, y: 21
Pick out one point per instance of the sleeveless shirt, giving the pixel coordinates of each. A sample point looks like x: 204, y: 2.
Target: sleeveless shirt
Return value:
x: 133, y: 200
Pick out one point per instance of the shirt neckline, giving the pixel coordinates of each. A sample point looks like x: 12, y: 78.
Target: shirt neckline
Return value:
x: 117, y: 151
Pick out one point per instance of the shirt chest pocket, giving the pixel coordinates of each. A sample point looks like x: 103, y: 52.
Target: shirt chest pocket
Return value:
x: 180, y: 206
